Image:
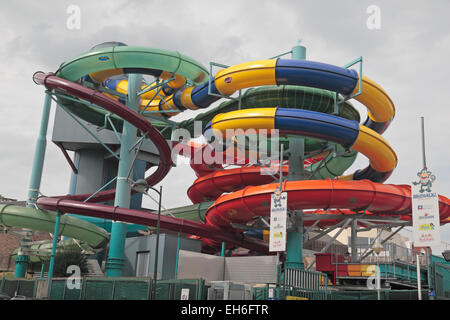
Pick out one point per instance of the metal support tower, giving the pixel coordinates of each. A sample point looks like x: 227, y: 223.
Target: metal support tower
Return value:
x: 294, y: 244
x: 35, y: 183
x: 115, y: 260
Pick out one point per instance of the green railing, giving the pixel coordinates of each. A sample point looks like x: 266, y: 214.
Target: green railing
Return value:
x: 271, y: 292
x: 303, y: 279
x: 372, y: 295
x: 440, y: 279
x: 22, y: 287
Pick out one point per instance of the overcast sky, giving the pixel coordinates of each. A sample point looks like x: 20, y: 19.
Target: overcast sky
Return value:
x: 407, y: 56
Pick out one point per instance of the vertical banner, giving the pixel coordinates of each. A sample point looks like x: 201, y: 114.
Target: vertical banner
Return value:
x: 425, y: 210
x: 278, y: 214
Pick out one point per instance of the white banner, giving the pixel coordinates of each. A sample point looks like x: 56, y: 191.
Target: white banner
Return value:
x: 278, y: 214
x: 425, y: 210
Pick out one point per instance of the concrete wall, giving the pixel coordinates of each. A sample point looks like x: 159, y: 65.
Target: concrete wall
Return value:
x: 194, y: 265
x: 258, y: 269
x: 166, y: 253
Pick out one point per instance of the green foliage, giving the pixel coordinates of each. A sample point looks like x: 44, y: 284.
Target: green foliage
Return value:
x: 67, y: 258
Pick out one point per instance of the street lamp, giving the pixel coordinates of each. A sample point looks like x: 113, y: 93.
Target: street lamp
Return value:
x: 142, y: 186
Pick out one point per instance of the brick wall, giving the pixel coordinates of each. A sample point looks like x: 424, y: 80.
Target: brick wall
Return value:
x: 8, y: 243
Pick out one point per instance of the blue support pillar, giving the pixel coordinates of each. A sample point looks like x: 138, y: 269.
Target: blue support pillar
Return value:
x: 294, y: 245
x: 114, y: 262
x: 54, y: 244
x: 294, y: 242
x: 177, y: 256
x: 35, y: 183
x: 138, y: 173
x: 222, y: 252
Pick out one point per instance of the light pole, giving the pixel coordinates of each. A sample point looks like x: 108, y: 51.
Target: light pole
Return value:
x: 419, y: 287
x: 419, y: 280
x: 142, y: 186
x: 377, y: 248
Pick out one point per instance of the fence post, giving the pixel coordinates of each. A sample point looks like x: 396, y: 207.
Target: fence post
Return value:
x: 113, y: 290
x: 201, y: 287
x: 34, y: 287
x: 149, y: 288
x: 49, y: 288
x: 17, y: 288
x: 64, y: 291
x: 83, y: 288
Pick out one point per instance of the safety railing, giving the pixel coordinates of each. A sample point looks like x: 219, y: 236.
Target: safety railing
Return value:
x: 302, y: 279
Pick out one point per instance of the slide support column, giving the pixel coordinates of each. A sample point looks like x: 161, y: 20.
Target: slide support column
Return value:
x: 294, y: 242
x: 35, y: 183
x: 54, y: 244
x: 115, y: 260
x: 353, y: 238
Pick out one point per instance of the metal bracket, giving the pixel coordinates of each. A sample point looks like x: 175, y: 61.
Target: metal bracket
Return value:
x: 348, y: 65
x: 211, y: 77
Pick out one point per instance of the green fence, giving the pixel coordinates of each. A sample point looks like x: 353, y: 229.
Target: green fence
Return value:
x: 142, y: 289
x: 281, y: 292
x: 127, y: 289
x: 403, y: 271
x: 373, y: 295
x: 12, y: 287
x: 440, y: 278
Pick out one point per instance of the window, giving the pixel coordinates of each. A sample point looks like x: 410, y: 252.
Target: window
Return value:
x: 142, y: 263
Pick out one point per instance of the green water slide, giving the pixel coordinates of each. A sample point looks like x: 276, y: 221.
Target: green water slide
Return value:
x: 40, y: 251
x: 90, y: 236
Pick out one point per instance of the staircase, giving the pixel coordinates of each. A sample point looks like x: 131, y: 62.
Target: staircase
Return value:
x: 94, y: 269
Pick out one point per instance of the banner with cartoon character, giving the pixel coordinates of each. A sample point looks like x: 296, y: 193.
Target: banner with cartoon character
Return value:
x: 278, y: 213
x: 425, y: 210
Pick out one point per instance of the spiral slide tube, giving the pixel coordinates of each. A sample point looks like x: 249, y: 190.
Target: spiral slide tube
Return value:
x: 303, y: 73
x: 253, y: 201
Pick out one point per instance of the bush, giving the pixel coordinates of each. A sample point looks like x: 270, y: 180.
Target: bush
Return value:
x: 67, y: 258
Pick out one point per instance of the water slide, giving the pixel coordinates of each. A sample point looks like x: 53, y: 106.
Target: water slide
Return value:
x: 246, y: 198
x: 43, y: 220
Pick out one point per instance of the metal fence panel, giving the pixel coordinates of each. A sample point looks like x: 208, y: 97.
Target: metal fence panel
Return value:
x: 303, y: 279
x: 441, y: 279
x: 42, y: 287
x: 98, y: 290
x: 171, y: 289
x: 18, y: 287
x: 57, y: 288
x: 72, y: 294
x: 372, y: 295
x: 132, y: 290
x: 26, y: 288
